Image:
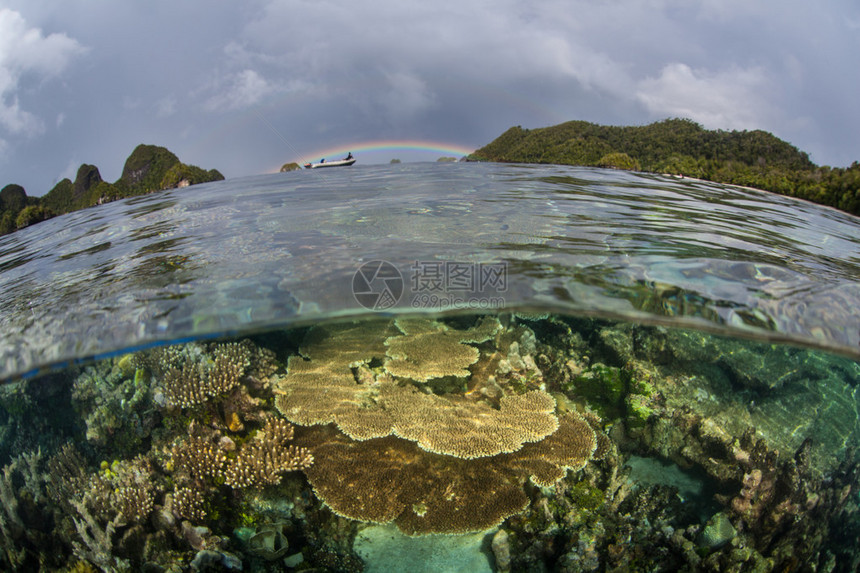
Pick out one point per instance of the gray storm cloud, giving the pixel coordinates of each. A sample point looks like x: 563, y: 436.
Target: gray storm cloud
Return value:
x: 85, y: 82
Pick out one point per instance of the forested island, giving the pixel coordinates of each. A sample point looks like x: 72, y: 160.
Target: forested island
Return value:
x: 682, y: 147
x: 148, y: 168
x: 674, y: 146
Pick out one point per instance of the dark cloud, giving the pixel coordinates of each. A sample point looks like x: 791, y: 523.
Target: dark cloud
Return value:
x: 246, y: 86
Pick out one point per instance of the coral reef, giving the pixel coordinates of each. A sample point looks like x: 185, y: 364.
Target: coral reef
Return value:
x: 429, y: 349
x: 373, y: 405
x: 113, y: 397
x: 390, y: 479
x: 197, y: 461
x: 261, y: 460
x: 191, y: 382
x: 544, y: 427
x: 119, y: 515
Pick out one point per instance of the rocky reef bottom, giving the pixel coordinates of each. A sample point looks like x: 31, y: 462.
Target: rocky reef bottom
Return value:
x: 504, y: 443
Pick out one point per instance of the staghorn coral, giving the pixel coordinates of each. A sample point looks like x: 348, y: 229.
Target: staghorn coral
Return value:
x: 262, y: 460
x: 188, y: 503
x: 134, y: 492
x: 121, y: 493
x: 96, y: 495
x: 31, y: 518
x: 66, y: 475
x: 391, y: 479
x: 13, y: 542
x: 191, y: 374
x: 198, y: 460
x: 230, y: 360
x: 184, y: 387
x: 195, y: 381
x: 134, y: 502
x: 95, y: 543
x: 429, y: 349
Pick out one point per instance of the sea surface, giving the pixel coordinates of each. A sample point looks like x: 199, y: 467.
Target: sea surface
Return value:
x: 276, y: 249
x: 605, y: 369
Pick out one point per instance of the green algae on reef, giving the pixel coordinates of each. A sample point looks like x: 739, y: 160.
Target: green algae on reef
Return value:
x: 177, y: 459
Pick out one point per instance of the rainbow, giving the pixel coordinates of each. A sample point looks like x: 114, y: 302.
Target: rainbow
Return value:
x: 447, y: 149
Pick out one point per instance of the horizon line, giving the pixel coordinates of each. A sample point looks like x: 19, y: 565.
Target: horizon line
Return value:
x: 391, y: 144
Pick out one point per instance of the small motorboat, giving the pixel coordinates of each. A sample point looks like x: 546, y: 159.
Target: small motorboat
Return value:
x: 348, y: 160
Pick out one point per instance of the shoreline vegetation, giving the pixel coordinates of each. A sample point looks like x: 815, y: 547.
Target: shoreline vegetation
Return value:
x: 149, y: 168
x: 682, y: 147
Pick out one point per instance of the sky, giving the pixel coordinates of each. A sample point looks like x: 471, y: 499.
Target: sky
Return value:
x: 245, y: 86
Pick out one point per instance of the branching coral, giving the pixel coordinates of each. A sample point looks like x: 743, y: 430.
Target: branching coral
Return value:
x: 26, y: 492
x: 194, y: 381
x: 188, y: 503
x: 134, y: 493
x: 198, y: 460
x: 191, y: 374
x: 95, y: 543
x: 11, y: 525
x: 66, y: 475
x: 134, y: 502
x: 262, y: 460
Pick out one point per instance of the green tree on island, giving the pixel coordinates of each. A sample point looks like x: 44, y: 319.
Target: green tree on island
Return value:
x: 682, y: 147
x: 149, y: 168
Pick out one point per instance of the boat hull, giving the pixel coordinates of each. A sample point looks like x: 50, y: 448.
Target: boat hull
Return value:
x: 340, y: 163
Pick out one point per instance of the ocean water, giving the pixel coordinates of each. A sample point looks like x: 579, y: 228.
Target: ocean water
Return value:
x: 517, y: 366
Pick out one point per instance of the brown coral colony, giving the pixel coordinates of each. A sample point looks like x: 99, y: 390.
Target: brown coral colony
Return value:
x: 431, y: 463
x: 387, y: 429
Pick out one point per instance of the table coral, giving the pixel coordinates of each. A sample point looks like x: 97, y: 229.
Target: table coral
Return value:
x: 324, y: 389
x: 428, y: 349
x: 464, y: 428
x: 391, y: 479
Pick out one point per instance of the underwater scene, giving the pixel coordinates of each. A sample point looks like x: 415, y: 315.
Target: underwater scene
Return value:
x: 467, y: 367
